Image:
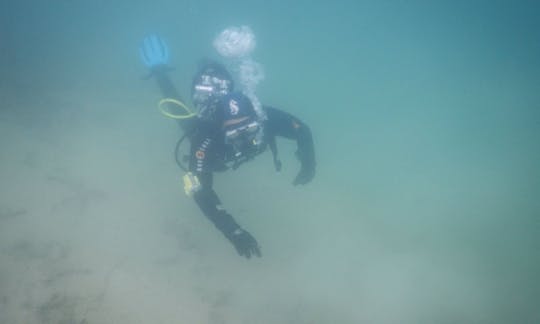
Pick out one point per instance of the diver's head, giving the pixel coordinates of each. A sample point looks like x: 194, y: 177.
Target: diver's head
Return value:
x: 241, y: 127
x: 211, y: 82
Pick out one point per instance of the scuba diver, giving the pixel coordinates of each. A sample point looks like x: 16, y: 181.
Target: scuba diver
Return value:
x: 225, y: 132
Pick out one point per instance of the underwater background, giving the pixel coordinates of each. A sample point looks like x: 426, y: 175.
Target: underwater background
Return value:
x: 425, y: 207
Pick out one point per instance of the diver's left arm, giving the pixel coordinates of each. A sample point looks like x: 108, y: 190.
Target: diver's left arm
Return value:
x: 202, y: 158
x: 283, y: 124
x: 209, y: 203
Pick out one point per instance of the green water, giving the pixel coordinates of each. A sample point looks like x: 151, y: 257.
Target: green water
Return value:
x: 424, y: 209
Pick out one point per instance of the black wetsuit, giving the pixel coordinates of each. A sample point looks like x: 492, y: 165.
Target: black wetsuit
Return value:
x: 209, y: 154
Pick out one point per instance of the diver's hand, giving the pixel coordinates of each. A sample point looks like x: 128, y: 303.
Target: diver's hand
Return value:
x: 245, y: 243
x: 305, y: 175
x: 154, y: 54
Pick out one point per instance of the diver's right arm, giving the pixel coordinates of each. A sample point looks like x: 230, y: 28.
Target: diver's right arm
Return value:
x: 155, y: 55
x: 166, y: 86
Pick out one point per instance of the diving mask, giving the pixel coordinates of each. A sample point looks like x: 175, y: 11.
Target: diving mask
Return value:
x: 209, y: 89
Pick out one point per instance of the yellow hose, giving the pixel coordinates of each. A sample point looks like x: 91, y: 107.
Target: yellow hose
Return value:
x: 162, y: 102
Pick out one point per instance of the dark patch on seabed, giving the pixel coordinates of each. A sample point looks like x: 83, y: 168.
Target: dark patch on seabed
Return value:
x: 7, y: 213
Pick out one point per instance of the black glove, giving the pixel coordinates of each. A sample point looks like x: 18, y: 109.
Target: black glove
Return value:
x: 245, y: 244
x: 305, y: 175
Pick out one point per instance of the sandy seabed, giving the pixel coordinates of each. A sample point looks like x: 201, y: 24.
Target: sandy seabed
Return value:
x: 95, y: 228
